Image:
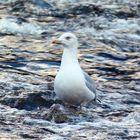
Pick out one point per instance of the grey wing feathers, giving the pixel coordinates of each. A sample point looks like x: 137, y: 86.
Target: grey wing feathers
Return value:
x: 90, y: 83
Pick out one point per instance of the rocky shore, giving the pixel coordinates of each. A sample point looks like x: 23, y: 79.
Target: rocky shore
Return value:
x: 109, y: 36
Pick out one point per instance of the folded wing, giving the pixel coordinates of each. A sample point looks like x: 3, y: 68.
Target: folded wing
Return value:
x: 90, y: 83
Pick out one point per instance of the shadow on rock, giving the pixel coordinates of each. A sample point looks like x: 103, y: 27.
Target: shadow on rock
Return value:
x: 31, y: 101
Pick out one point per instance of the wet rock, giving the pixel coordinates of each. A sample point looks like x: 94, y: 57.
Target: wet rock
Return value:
x: 18, y: 5
x: 18, y: 94
x: 41, y: 3
x: 111, y: 56
x: 130, y: 101
x: 86, y: 9
x: 32, y: 101
x: 29, y: 101
x: 57, y: 114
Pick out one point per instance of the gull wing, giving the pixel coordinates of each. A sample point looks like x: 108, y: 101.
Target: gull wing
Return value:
x: 90, y: 83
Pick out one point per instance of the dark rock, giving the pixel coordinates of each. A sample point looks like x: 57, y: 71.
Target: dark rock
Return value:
x: 57, y: 114
x: 18, y: 6
x: 112, y: 56
x: 86, y: 9
x: 28, y: 136
x: 134, y: 101
x: 33, y: 101
x: 41, y: 3
x: 114, y: 70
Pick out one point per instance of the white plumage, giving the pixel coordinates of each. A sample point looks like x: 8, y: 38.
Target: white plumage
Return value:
x: 72, y: 85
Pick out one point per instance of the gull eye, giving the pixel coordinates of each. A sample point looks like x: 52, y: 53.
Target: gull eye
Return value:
x: 68, y: 38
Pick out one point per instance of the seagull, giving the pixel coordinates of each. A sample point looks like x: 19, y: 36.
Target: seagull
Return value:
x: 72, y: 85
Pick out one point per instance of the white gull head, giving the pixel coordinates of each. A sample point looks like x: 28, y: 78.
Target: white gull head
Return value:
x: 68, y: 40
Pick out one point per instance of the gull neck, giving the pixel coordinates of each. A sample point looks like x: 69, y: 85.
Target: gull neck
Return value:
x: 69, y: 56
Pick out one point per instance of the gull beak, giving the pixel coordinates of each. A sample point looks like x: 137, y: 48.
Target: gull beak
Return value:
x: 56, y: 41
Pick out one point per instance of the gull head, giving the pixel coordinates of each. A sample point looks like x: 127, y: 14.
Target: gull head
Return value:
x: 68, y: 40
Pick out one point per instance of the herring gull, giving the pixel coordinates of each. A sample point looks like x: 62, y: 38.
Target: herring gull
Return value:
x: 72, y: 85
